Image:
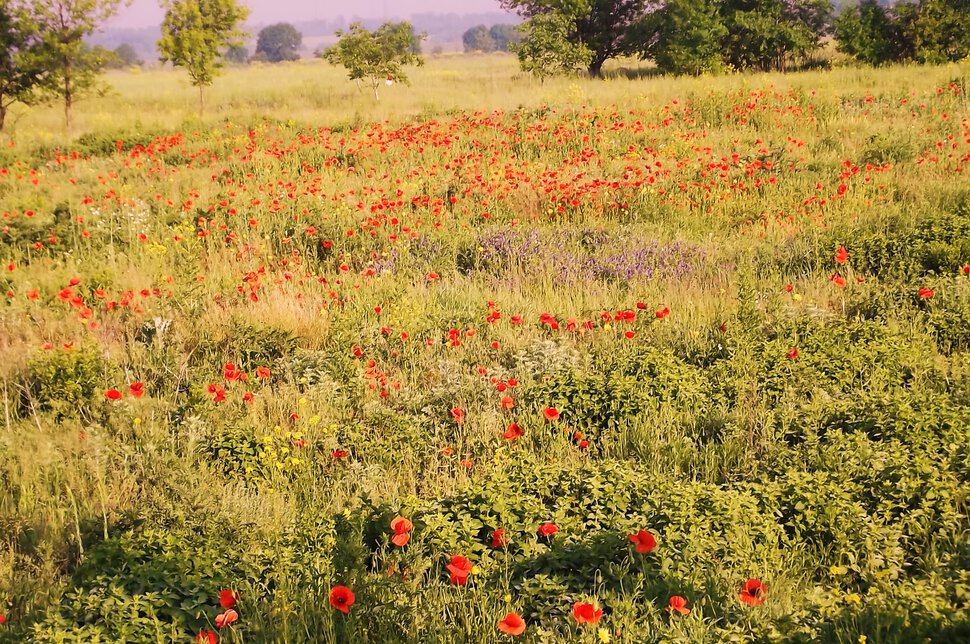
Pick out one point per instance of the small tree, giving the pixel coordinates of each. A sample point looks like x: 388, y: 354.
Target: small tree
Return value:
x: 236, y: 55
x: 126, y: 56
x: 73, y: 67
x: 376, y: 56
x: 478, y: 39
x: 195, y: 35
x: 21, y: 60
x: 548, y: 47
x: 280, y: 42
x: 504, y: 36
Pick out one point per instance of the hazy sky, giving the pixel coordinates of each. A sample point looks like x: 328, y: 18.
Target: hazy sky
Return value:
x: 146, y: 13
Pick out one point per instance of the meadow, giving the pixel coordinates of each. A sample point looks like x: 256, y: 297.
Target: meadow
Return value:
x: 490, y: 360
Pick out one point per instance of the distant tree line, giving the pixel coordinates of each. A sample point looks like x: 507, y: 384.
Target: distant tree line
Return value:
x: 488, y: 39
x: 711, y: 36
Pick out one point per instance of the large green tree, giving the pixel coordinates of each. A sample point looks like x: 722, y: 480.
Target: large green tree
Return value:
x: 22, y: 70
x: 72, y: 66
x: 604, y: 27
x: 941, y: 30
x: 278, y: 43
x: 767, y: 34
x: 684, y: 37
x: 547, y: 48
x: 873, y: 34
x: 197, y: 33
x: 378, y: 56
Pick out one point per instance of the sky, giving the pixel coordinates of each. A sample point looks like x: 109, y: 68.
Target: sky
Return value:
x: 146, y: 13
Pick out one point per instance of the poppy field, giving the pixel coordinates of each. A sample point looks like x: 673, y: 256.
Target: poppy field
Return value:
x: 603, y: 361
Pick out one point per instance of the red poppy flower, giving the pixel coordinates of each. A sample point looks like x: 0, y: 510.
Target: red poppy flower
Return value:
x: 458, y: 414
x: 136, y: 389
x: 966, y: 269
x: 678, y: 605
x: 548, y: 529
x: 3, y: 619
x: 753, y: 592
x: 112, y: 394
x: 838, y: 280
x: 499, y: 540
x: 226, y: 618
x: 513, y: 432
x: 228, y: 598
x: 789, y: 288
x: 841, y: 255
x: 263, y: 373
x: 339, y: 454
x: 342, y: 598
x: 926, y: 293
x: 792, y: 354
x: 206, y: 637
x: 512, y: 624
x: 585, y: 613
x: 662, y: 313
x: 458, y: 570
x: 401, y: 528
x: 644, y: 541
x: 508, y: 402
x: 551, y: 414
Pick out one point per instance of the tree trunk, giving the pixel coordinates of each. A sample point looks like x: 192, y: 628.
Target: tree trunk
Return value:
x: 596, y: 68
x: 377, y: 97
x: 3, y: 113
x: 201, y: 99
x: 68, y: 97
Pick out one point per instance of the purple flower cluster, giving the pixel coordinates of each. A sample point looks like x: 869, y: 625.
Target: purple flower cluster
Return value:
x: 575, y: 256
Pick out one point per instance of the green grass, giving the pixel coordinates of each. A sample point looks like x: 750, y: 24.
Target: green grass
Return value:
x: 475, y: 236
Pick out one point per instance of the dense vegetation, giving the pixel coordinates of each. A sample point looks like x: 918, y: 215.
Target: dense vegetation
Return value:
x: 692, y: 354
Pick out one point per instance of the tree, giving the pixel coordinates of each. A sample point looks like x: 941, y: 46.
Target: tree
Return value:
x: 504, y: 36
x: 236, y: 55
x: 124, y: 55
x: 72, y: 67
x: 546, y: 48
x: 21, y: 61
x: 376, y: 56
x: 941, y: 29
x: 197, y: 33
x: 873, y: 34
x: 478, y: 39
x: 280, y: 42
x: 685, y: 37
x: 764, y: 34
x: 602, y: 27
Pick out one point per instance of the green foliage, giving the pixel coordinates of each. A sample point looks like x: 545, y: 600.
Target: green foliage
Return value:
x: 504, y: 36
x: 870, y: 33
x: 196, y: 33
x: 940, y: 29
x: 478, y: 39
x: 64, y: 382
x: 279, y: 42
x: 688, y: 38
x: 767, y: 34
x: 125, y: 56
x: 548, y: 47
x: 575, y: 31
x: 22, y: 69
x: 72, y: 66
x: 376, y: 56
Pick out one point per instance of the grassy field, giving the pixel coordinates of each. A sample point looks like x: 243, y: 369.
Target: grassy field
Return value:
x: 489, y: 346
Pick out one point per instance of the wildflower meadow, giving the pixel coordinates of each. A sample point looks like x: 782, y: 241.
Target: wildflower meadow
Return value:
x: 489, y: 360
